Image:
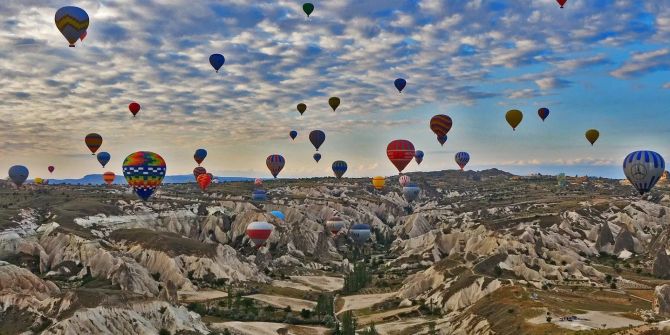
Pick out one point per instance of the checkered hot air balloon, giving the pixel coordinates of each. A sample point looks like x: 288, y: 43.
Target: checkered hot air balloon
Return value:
x: 144, y: 171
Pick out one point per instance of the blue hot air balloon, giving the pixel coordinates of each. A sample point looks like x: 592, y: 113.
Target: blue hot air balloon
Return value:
x: 462, y: 158
x: 339, y: 168
x: 317, y: 137
x: 442, y: 139
x: 400, y: 84
x: 293, y: 134
x: 317, y: 157
x: 411, y: 192
x: 103, y: 158
x: 18, y: 174
x: 200, y: 155
x: 279, y: 215
x: 72, y: 23
x: 543, y: 113
x: 259, y: 195
x: 643, y: 169
x: 360, y: 233
x: 217, y: 61
x: 418, y: 156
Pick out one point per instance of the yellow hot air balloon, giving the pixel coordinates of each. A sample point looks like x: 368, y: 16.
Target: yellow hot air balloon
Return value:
x: 592, y: 135
x: 39, y: 181
x: 378, y: 182
x: 514, y: 117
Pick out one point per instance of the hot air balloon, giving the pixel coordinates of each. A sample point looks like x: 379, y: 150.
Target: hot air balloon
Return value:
x: 217, y: 61
x: 562, y: 2
x: 72, y: 23
x: 360, y: 233
x: 275, y: 164
x: 462, y: 159
x: 514, y: 117
x: 334, y: 102
x: 301, y: 108
x: 335, y: 224
x: 400, y: 84
x: 18, y: 174
x: 442, y: 139
x: 258, y: 182
x: 204, y: 180
x: 38, y: 181
x: 400, y: 152
x: 200, y: 155
x: 109, y: 177
x: 592, y: 135
x: 543, y: 113
x: 418, y: 157
x: 643, y: 169
x: 308, y: 8
x: 259, y: 232
x: 144, y: 171
x: 293, y: 134
x: 198, y: 171
x: 378, y: 182
x: 339, y: 168
x: 317, y: 137
x: 279, y: 215
x: 51, y: 169
x: 403, y: 180
x: 440, y: 124
x: 103, y: 158
x: 317, y: 157
x: 93, y: 142
x: 134, y: 108
x: 411, y: 192
x: 259, y: 195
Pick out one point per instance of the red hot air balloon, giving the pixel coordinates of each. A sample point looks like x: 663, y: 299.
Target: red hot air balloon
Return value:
x: 109, y: 177
x: 204, y: 180
x: 562, y: 2
x: 400, y: 152
x: 51, y: 169
x: 198, y: 171
x: 93, y: 142
x: 259, y: 232
x: 134, y: 107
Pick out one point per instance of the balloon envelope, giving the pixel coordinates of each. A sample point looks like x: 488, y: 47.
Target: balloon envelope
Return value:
x: 442, y: 139
x: 643, y: 169
x: 317, y: 137
x: 543, y: 113
x: 39, y: 181
x: 301, y: 108
x: 592, y: 135
x: 514, y: 117
x: 317, y: 157
x: 378, y: 182
x: 200, y: 155
x: 204, y: 180
x: 404, y: 180
x: 360, y: 233
x: 18, y: 174
x: 259, y: 195
x: 335, y: 224
x: 418, y: 156
x: 440, y: 124
x: 462, y: 159
x: 258, y: 182
x: 308, y: 8
x: 411, y: 192
x: 198, y: 171
x: 562, y: 2
x: 400, y: 84
x: 293, y: 134
x: 93, y: 142
x: 339, y: 168
x: 217, y: 60
x: 259, y: 232
x: 144, y: 171
x: 279, y: 215
x: 103, y: 158
x: 72, y: 23
x: 51, y: 169
x: 108, y: 177
x: 334, y: 102
x: 400, y: 153
x: 275, y: 164
x: 134, y: 108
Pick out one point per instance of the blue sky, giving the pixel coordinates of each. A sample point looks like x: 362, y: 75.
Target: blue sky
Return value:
x: 595, y: 64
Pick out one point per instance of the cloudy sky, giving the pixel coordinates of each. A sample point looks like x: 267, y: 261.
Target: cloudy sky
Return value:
x: 595, y: 64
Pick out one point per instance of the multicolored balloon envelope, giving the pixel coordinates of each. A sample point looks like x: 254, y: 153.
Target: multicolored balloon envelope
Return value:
x: 360, y: 233
x: 279, y: 215
x: 198, y: 171
x: 317, y: 137
x: 275, y: 164
x: 418, y: 157
x: 404, y: 180
x: 258, y: 182
x: 259, y: 232
x: 411, y: 192
x: 204, y: 180
x: 93, y: 142
x: 643, y: 169
x: 317, y: 157
x: 108, y: 177
x: 72, y: 23
x: 440, y: 124
x: 462, y: 159
x: 18, y: 174
x: 400, y: 153
x: 103, y: 158
x: 378, y: 182
x: 339, y: 168
x: 335, y: 224
x: 144, y: 171
x: 259, y: 195
x: 200, y: 155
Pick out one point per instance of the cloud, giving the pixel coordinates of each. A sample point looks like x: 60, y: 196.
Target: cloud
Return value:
x: 642, y: 63
x: 667, y: 85
x: 525, y: 93
x: 552, y: 83
x: 563, y: 162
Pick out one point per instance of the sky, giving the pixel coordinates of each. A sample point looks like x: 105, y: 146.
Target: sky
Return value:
x: 600, y: 64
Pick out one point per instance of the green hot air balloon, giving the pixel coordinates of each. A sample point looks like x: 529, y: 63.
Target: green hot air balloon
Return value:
x: 308, y: 8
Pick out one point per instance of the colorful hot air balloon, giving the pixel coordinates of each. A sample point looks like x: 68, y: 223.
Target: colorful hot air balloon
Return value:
x: 339, y: 168
x: 134, y: 108
x: 18, y: 174
x: 360, y: 233
x: 543, y: 113
x: 462, y: 159
x: 400, y: 84
x: 442, y: 139
x: 72, y: 23
x: 562, y: 2
x: 144, y: 171
x: 258, y: 182
x: 317, y: 137
x: 204, y: 180
x: 51, y: 169
x: 200, y: 155
x: 259, y: 232
x: 103, y: 158
x: 109, y: 177
x: 93, y: 142
x: 403, y: 180
x: 308, y: 8
x: 592, y: 135
x: 378, y: 182
x: 643, y: 169
x: 198, y: 171
x: 514, y: 117
x: 301, y: 108
x: 217, y: 61
x: 259, y: 195
x: 293, y: 134
x: 317, y: 157
x: 418, y: 157
x: 334, y: 102
x: 275, y: 164
x: 440, y: 124
x: 279, y: 215
x: 400, y: 152
x: 335, y: 224
x: 411, y: 192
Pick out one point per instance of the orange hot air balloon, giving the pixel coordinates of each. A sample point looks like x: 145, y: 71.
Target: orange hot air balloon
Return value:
x: 514, y: 118
x: 592, y: 135
x: 93, y: 142
x: 441, y: 124
x: 204, y: 180
x: 378, y: 182
x: 109, y: 177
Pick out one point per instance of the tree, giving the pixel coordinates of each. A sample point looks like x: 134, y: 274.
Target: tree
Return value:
x: 305, y: 313
x: 164, y: 331
x: 348, y: 324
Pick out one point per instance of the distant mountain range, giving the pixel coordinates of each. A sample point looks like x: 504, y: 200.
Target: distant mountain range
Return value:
x: 177, y: 179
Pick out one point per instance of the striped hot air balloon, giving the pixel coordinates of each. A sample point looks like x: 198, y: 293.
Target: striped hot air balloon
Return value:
x: 72, y: 23
x: 462, y: 159
x: 360, y: 233
x: 275, y: 164
x: 108, y: 177
x: 440, y: 124
x: 339, y: 168
x: 335, y: 224
x: 259, y: 232
x: 258, y: 182
x: 643, y: 169
x: 204, y: 180
x: 144, y: 171
x: 411, y: 192
x: 400, y: 153
x: 404, y: 180
x: 93, y: 142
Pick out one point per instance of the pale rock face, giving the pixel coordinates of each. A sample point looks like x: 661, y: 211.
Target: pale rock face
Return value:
x: 16, y: 280
x: 661, y: 304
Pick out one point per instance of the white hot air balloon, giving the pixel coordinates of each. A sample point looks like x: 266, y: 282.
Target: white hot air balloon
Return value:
x: 643, y: 169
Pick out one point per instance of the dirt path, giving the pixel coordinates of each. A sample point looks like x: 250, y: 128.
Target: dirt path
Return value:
x: 266, y: 328
x: 282, y: 302
x: 202, y: 295
x: 353, y: 302
x: 380, y: 317
x: 591, y: 320
x: 397, y: 327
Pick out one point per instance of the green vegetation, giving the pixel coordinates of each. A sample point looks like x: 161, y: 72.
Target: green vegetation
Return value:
x: 357, y: 279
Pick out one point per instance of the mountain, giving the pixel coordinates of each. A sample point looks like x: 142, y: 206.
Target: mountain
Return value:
x: 96, y: 179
